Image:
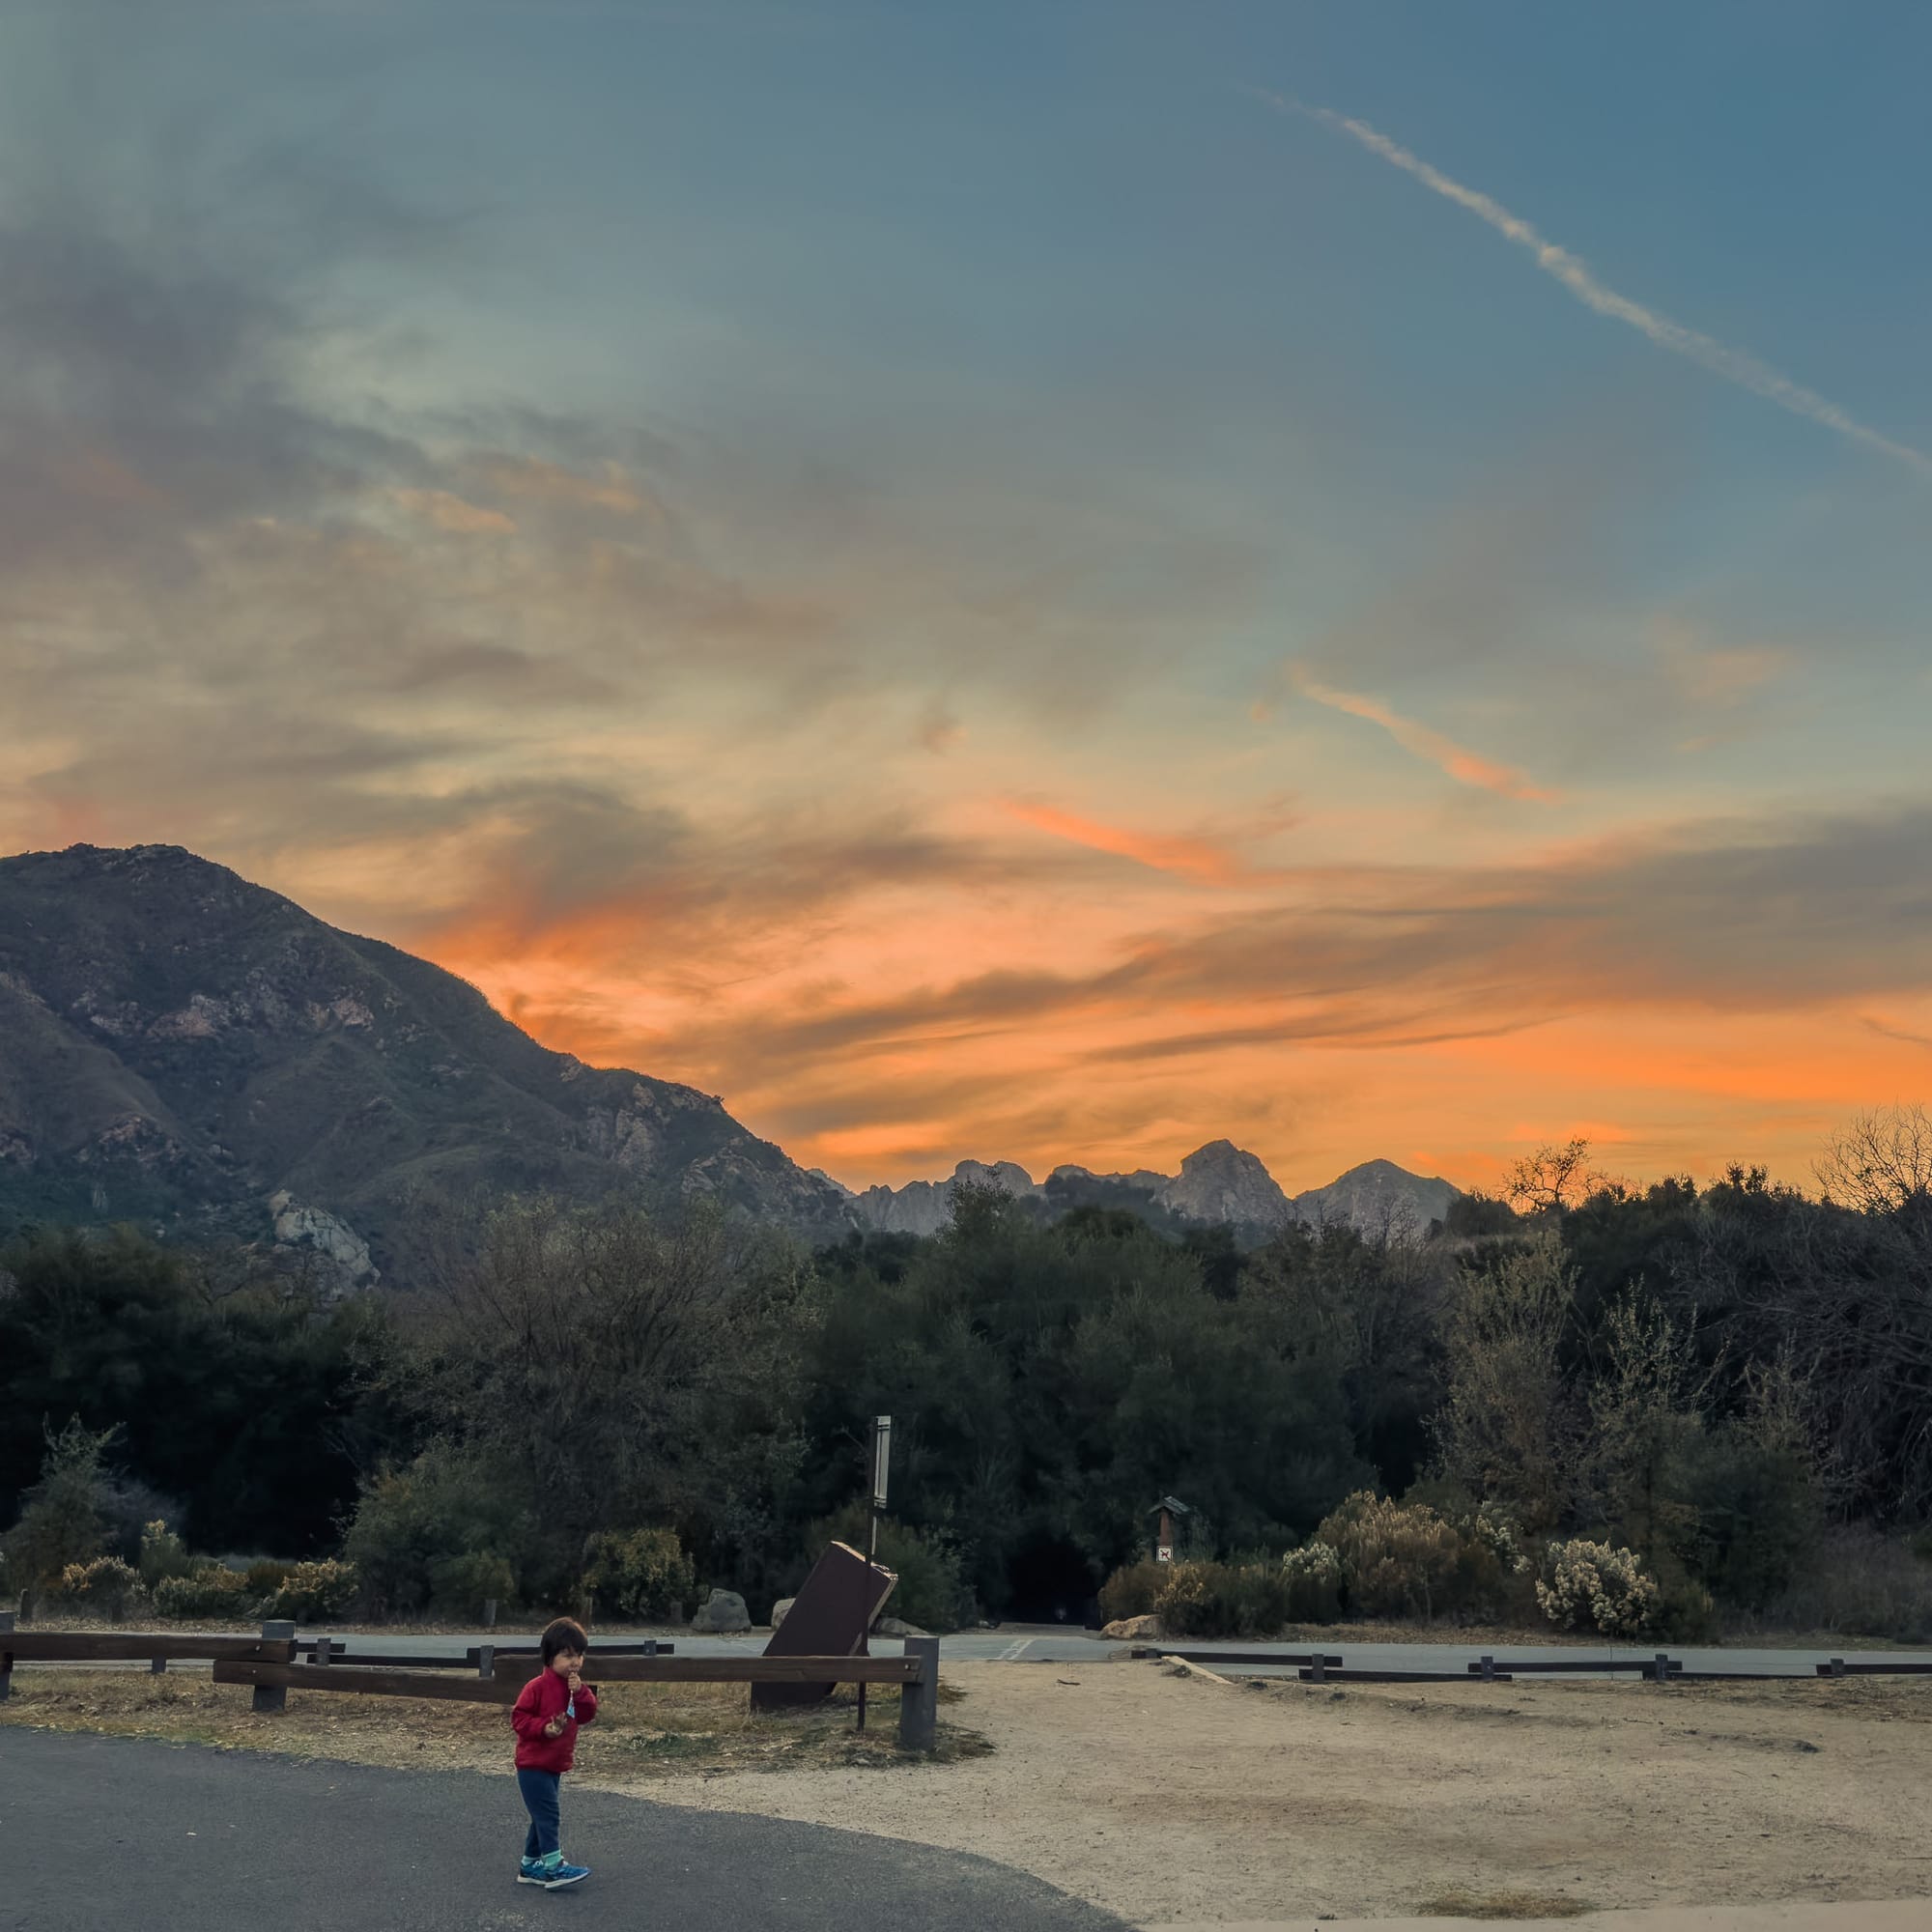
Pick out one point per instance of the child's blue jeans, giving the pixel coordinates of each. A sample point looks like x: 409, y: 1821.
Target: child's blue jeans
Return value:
x: 539, y: 1789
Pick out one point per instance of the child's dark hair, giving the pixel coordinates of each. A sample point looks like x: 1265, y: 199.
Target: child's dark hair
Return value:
x: 563, y: 1634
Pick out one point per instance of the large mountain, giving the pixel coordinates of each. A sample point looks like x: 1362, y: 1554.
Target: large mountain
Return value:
x: 1378, y: 1197
x: 180, y: 1047
x: 1219, y: 1183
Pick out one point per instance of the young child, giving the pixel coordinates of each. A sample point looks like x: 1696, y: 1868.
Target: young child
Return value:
x: 548, y: 1712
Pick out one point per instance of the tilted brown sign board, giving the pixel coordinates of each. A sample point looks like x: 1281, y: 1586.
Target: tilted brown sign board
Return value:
x: 829, y: 1616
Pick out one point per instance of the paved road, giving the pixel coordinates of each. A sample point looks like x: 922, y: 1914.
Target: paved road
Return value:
x: 1037, y: 1643
x: 1049, y: 1644
x: 105, y: 1832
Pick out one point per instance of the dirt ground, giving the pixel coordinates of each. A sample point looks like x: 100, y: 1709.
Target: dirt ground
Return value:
x: 1176, y: 1800
x: 643, y: 1733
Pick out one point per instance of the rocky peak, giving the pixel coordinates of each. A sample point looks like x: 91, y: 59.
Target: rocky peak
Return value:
x: 1223, y: 1182
x: 1007, y: 1175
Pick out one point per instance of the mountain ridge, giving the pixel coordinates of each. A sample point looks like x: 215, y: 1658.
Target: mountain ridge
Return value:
x: 1219, y: 1183
x: 183, y: 1048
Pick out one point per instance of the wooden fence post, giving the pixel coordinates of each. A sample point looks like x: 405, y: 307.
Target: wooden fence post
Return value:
x: 1488, y: 1670
x: 324, y: 1647
x: 1838, y: 1666
x: 157, y: 1666
x: 6, y: 1656
x: 1662, y: 1667
x: 274, y: 1696
x: 1318, y: 1669
x: 918, y: 1703
x: 486, y: 1660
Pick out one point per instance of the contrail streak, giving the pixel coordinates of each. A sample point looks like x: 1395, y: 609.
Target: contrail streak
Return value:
x: 1734, y: 365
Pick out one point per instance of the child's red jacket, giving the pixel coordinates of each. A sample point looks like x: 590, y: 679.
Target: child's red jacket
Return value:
x: 541, y: 1699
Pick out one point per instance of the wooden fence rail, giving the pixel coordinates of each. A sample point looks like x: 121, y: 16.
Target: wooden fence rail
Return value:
x: 268, y: 1663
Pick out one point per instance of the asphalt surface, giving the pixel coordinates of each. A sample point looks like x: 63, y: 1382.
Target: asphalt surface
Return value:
x: 102, y: 1834
x: 1050, y: 1644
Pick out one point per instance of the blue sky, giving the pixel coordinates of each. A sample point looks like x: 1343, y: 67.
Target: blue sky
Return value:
x: 958, y: 426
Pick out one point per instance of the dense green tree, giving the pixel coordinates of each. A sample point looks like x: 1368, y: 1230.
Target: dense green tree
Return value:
x: 233, y: 1388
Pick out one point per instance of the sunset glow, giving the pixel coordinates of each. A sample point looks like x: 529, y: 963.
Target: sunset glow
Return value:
x: 974, y: 587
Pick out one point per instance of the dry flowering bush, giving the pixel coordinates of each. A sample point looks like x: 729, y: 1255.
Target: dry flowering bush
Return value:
x: 1592, y: 1583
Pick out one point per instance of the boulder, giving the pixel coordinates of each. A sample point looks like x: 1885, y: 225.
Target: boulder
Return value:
x: 724, y: 1610
x: 780, y: 1608
x: 1131, y: 1629
x: 893, y: 1627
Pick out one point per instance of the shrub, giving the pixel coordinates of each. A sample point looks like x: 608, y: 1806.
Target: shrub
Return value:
x: 1686, y: 1611
x: 266, y: 1574
x: 1225, y: 1599
x: 212, y: 1591
x: 1189, y: 1604
x: 1130, y: 1591
x: 106, y: 1586
x: 408, y: 1521
x: 644, y: 1575
x: 1261, y: 1599
x: 63, y: 1514
x: 163, y: 1555
x: 1758, y: 1519
x: 1862, y: 1584
x: 1591, y: 1583
x: 1488, y: 1529
x: 463, y: 1584
x: 1312, y: 1574
x: 308, y: 1590
x: 1397, y: 1558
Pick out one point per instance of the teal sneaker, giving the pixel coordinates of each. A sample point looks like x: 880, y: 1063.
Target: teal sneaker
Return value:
x: 555, y: 1877
x: 530, y: 1871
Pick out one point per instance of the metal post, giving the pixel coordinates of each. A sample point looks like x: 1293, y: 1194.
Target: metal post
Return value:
x: 274, y: 1696
x: 882, y: 1455
x: 871, y: 1558
x: 918, y: 1703
x: 6, y: 1657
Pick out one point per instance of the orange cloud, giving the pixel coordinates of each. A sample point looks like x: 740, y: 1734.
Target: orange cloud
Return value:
x: 1204, y: 860
x: 551, y: 482
x: 452, y: 513
x: 1466, y: 767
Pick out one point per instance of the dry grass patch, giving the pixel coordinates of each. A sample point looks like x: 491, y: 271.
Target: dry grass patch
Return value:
x: 1503, y: 1905
x: 643, y: 1731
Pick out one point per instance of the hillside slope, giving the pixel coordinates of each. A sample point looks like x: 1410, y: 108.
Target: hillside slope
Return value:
x: 180, y: 1046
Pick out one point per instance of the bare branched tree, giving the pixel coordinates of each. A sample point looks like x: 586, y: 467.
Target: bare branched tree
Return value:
x: 1549, y: 1180
x: 1882, y: 1162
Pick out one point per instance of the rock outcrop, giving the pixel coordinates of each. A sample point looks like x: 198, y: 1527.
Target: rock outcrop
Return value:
x: 722, y: 1613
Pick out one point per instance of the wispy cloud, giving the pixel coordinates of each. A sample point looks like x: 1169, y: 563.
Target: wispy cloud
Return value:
x: 1205, y: 860
x: 1465, y: 766
x: 1734, y: 365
